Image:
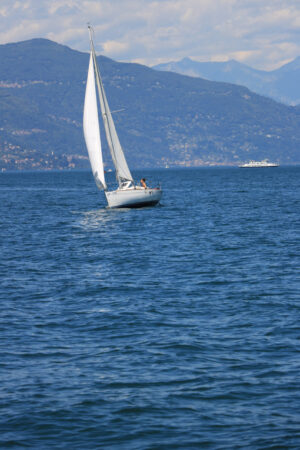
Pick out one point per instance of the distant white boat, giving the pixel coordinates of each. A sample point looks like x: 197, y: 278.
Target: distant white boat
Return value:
x: 128, y: 194
x: 263, y: 163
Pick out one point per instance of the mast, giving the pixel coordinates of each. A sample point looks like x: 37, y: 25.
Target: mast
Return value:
x: 123, y: 174
x: 91, y: 128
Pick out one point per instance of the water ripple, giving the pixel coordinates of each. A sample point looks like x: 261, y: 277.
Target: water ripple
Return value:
x: 160, y: 328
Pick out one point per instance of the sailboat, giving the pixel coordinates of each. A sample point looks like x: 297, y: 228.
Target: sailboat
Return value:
x: 128, y: 194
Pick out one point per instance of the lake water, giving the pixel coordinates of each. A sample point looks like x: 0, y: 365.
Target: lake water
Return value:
x: 173, y: 327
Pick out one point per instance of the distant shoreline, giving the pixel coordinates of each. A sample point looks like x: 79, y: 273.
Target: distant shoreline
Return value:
x: 223, y: 166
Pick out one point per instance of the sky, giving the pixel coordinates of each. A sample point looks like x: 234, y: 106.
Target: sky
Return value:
x: 264, y: 34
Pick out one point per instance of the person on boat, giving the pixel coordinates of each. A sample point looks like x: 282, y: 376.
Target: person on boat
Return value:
x: 143, y: 183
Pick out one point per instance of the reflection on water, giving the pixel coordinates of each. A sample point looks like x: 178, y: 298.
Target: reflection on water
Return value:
x: 99, y: 218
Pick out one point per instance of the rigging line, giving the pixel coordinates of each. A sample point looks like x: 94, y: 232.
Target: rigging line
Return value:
x: 117, y: 110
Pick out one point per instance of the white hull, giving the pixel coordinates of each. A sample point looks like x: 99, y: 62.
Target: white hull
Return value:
x: 257, y: 165
x: 253, y: 164
x: 133, y: 197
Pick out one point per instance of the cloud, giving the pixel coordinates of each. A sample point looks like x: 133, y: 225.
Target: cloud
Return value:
x: 115, y: 48
x: 261, y: 33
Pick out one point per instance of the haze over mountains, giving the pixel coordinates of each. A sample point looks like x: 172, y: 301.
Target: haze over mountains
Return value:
x: 165, y: 118
x: 281, y: 84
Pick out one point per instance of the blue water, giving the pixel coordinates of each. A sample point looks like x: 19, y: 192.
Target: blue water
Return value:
x: 174, y: 327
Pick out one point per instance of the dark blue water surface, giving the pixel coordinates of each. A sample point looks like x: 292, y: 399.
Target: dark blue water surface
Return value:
x: 172, y: 327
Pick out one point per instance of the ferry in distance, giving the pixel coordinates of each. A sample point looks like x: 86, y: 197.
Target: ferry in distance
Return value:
x: 263, y: 163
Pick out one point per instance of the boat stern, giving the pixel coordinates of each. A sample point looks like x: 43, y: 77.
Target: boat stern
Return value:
x: 133, y: 198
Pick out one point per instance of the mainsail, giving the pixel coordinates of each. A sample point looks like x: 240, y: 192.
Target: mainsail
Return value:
x: 122, y: 171
x: 91, y: 128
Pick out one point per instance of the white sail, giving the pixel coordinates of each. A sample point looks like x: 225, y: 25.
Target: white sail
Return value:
x: 91, y: 128
x: 118, y: 157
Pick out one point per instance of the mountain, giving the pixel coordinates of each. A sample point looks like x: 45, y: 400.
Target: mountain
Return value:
x: 281, y: 84
x: 164, y: 118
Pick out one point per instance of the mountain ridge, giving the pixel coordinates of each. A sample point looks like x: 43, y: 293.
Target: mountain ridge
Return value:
x: 281, y: 84
x: 166, y: 118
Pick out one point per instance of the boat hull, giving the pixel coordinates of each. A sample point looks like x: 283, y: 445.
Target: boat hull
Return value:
x: 257, y: 166
x: 133, y: 198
